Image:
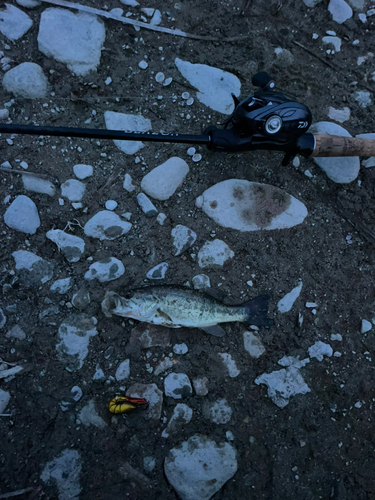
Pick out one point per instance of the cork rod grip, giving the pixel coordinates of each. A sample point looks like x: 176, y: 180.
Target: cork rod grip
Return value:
x: 335, y: 145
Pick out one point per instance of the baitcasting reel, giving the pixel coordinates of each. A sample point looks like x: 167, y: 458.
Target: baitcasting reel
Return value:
x: 266, y: 118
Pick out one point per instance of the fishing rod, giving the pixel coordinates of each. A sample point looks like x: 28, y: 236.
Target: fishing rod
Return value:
x: 267, y: 120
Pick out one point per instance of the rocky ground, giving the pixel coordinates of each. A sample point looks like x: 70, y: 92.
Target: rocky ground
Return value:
x: 283, y: 412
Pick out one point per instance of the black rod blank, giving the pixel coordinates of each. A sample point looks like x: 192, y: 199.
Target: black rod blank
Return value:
x: 92, y: 133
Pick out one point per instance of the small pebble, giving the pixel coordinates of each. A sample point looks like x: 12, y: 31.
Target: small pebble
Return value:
x: 197, y: 157
x: 110, y: 204
x: 143, y: 65
x: 185, y: 95
x: 167, y: 82
x: 108, y: 80
x: 160, y: 77
x: 190, y: 101
x: 146, y: 205
x: 191, y: 151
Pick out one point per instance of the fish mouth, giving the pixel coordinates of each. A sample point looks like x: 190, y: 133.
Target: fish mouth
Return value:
x: 111, y: 304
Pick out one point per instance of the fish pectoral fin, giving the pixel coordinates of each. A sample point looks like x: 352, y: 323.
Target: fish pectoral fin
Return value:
x: 164, y: 315
x: 215, y: 330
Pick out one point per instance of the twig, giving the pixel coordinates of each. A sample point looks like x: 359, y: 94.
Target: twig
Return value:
x: 111, y: 179
x: 16, y: 171
x: 335, y: 68
x: 360, y: 226
x: 126, y: 20
x: 16, y: 493
x: 5, y: 415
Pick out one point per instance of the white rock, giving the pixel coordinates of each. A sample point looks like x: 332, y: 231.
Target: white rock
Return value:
x: 250, y: 206
x: 199, y: 467
x: 123, y: 371
x: 183, y: 238
x: 158, y: 272
x: 164, y: 365
x: 16, y: 332
x: 143, y: 65
x: 286, y: 303
x: 73, y: 39
x: 127, y: 123
x: 214, y: 85
x: 26, y: 80
x: 38, y: 185
x: 99, y: 374
x: 335, y: 41
x: 28, y: 4
x: 128, y: 184
x: 156, y: 18
x: 74, y: 335
x: 230, y: 364
x: 363, y: 98
x: 339, y: 115
x: 311, y: 304
x: 214, y: 253
x: 366, y: 326
x: 285, y: 383
x: 22, y: 215
x: 201, y: 281
x: 83, y: 171
x: 14, y: 23
x: 70, y: 245
x: 153, y: 396
x: 180, y: 348
x: 336, y: 336
x: 200, y: 386
x: 110, y: 204
x: 4, y: 400
x: 148, y: 11
x: 4, y: 114
x: 340, y: 11
x: 106, y: 225
x: 167, y: 82
x: 148, y: 208
x: 159, y: 77
x: 73, y: 190
x: 76, y: 393
x: 33, y: 269
x: 182, y: 415
x: 219, y: 412
x: 320, y: 349
x: 177, y: 386
x: 149, y: 464
x: 253, y: 344
x: 311, y: 3
x: 370, y: 162
x: 161, y: 218
x: 130, y: 3
x: 362, y: 17
x: 108, y: 80
x: 105, y: 270
x: 191, y: 151
x: 65, y: 470
x: 88, y: 416
x: 341, y: 170
x: 62, y: 286
x: 163, y: 180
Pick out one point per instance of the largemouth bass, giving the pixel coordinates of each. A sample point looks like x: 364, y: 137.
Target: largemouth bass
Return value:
x: 177, y: 307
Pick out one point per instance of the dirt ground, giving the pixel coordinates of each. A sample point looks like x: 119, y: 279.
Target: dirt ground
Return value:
x: 320, y: 446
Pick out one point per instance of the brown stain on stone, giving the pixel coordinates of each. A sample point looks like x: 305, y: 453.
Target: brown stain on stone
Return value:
x: 213, y: 204
x: 260, y: 204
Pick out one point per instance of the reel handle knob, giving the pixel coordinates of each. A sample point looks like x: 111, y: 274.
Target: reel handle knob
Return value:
x: 263, y: 80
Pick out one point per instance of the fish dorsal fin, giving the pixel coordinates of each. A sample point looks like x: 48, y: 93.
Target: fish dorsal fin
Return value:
x: 215, y: 330
x: 215, y: 293
x: 164, y: 315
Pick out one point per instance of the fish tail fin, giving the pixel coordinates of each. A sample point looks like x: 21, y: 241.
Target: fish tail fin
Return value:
x: 257, y: 311
x: 110, y: 303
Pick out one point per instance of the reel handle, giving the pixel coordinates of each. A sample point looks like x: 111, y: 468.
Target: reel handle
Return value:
x: 263, y: 80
